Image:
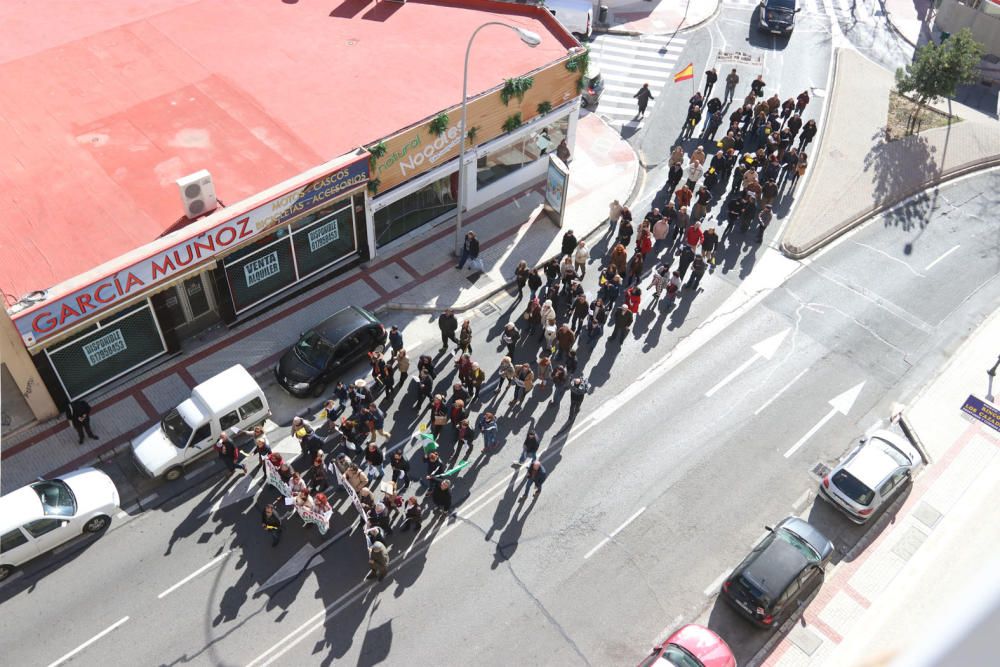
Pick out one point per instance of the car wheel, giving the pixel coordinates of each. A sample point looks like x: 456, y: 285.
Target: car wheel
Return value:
x: 584, y: 103
x: 173, y: 474
x: 97, y: 524
x: 6, y: 571
x: 318, y: 390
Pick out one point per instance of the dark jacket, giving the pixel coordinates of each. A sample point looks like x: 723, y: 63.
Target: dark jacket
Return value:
x: 568, y: 243
x: 441, y: 497
x: 472, y: 246
x: 448, y: 323
x: 623, y: 318
x: 78, y: 408
x: 534, y: 281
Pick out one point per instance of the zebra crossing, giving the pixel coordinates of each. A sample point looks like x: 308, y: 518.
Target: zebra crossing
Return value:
x: 628, y: 62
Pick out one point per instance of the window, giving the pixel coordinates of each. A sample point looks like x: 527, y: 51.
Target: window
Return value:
x: 12, y: 540
x: 42, y: 526
x: 57, y: 498
x: 202, y: 434
x: 504, y: 161
x: 229, y: 420
x: 416, y: 209
x: 251, y: 408
x: 887, y: 487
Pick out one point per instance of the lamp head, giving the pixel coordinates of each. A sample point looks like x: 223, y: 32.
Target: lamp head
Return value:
x: 530, y: 38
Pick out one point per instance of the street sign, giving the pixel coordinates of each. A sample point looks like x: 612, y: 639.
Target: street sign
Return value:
x: 979, y: 409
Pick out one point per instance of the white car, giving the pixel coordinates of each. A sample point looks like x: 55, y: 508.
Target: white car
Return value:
x: 39, y: 517
x: 870, y: 475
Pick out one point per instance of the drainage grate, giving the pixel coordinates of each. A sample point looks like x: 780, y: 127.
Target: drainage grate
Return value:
x: 820, y: 470
x: 487, y: 309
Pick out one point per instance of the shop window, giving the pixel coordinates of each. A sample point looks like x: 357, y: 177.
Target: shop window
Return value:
x: 504, y: 161
x: 324, y: 241
x: 255, y: 276
x: 416, y: 209
x: 104, y: 354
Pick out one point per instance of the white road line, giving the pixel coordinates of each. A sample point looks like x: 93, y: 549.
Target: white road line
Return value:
x: 616, y: 531
x: 713, y: 587
x: 946, y: 253
x: 780, y: 391
x: 801, y: 501
x: 627, y: 101
x: 610, y: 70
x: 193, y: 575
x: 87, y: 643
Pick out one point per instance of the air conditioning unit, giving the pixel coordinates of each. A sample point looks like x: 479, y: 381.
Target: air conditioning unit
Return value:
x: 197, y: 194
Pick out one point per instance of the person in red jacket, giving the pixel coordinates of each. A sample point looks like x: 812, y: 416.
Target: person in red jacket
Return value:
x: 633, y: 295
x: 694, y: 236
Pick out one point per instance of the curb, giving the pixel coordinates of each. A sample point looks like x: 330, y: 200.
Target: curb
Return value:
x: 847, y: 225
x: 598, y: 30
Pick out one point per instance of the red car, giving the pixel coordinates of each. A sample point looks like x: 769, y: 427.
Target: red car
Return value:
x: 691, y: 646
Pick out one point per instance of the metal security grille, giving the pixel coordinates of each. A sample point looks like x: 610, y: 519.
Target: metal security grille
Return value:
x: 117, y: 346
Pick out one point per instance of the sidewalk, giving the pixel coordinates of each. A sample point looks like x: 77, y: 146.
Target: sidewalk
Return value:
x: 912, y: 19
x: 899, y: 592
x: 419, y: 274
x: 855, y: 174
x: 655, y: 17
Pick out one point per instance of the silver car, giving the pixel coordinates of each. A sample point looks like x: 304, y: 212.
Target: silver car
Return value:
x: 870, y: 475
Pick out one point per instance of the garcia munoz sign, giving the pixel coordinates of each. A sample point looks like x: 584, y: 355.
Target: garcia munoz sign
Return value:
x: 105, y: 347
x: 48, y: 318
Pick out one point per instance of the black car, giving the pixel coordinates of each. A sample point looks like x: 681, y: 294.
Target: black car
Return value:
x: 784, y: 568
x: 331, y: 346
x: 777, y: 16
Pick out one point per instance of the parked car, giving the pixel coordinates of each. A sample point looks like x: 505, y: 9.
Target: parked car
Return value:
x: 230, y: 400
x: 39, y: 517
x: 325, y: 350
x: 691, y: 646
x: 784, y: 568
x: 870, y: 475
x: 777, y: 16
x: 593, y: 86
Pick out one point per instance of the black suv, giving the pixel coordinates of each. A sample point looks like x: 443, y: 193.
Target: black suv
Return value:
x: 331, y: 346
x: 784, y: 568
x: 777, y: 16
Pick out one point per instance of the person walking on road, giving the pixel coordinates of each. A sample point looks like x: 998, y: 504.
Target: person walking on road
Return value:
x: 441, y: 497
x: 536, y: 475
x: 687, y: 256
x: 509, y: 338
x: 272, y: 524
x: 578, y: 388
x: 395, y: 340
x: 414, y: 515
x: 698, y: 267
x: 448, y: 324
x: 487, y: 425
x: 644, y: 96
x: 623, y: 322
x: 579, y: 311
x: 465, y: 337
x: 565, y: 338
x: 711, y: 76
x: 378, y: 561
x: 506, y: 372
x: 757, y: 86
x: 808, y: 133
x: 732, y: 80
x: 560, y: 382
x: 78, y: 414
x: 580, y: 257
x: 523, y: 381
x: 470, y: 249
x: 521, y: 274
x: 530, y: 448
x: 229, y: 453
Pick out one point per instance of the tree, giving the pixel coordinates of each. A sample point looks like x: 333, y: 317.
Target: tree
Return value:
x: 939, y: 69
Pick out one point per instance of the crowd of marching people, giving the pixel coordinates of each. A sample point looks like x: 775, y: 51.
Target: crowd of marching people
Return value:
x: 760, y: 153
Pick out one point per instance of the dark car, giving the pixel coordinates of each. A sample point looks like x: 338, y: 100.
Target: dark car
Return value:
x: 784, y: 568
x: 777, y: 16
x: 325, y: 350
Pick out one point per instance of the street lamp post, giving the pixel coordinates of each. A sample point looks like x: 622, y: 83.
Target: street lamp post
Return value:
x: 529, y: 38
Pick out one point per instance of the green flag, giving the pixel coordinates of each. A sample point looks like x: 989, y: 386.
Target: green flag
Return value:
x: 452, y: 471
x: 430, y: 446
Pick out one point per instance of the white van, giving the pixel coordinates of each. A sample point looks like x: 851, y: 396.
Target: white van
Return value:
x: 577, y: 16
x: 230, y: 400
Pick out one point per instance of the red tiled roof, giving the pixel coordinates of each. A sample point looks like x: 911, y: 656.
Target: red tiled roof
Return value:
x: 105, y: 103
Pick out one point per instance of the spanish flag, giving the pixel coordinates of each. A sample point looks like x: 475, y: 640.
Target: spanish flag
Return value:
x: 685, y: 74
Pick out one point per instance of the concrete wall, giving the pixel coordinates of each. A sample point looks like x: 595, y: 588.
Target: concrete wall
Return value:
x: 22, y: 370
x: 953, y: 16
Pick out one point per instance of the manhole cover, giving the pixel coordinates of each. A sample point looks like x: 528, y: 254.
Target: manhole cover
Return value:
x: 820, y: 470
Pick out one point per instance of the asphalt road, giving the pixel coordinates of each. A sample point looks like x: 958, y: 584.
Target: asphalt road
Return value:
x: 654, y: 492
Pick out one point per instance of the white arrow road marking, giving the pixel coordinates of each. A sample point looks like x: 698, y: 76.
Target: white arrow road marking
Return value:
x: 762, y: 350
x: 841, y: 403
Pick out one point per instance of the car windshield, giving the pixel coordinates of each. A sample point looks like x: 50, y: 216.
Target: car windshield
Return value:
x: 801, y: 545
x: 853, y: 488
x: 57, y: 498
x: 781, y: 5
x: 891, y: 452
x: 177, y: 430
x: 314, y: 350
x: 675, y: 655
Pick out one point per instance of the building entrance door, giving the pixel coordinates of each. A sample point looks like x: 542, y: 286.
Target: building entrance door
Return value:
x: 189, y: 306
